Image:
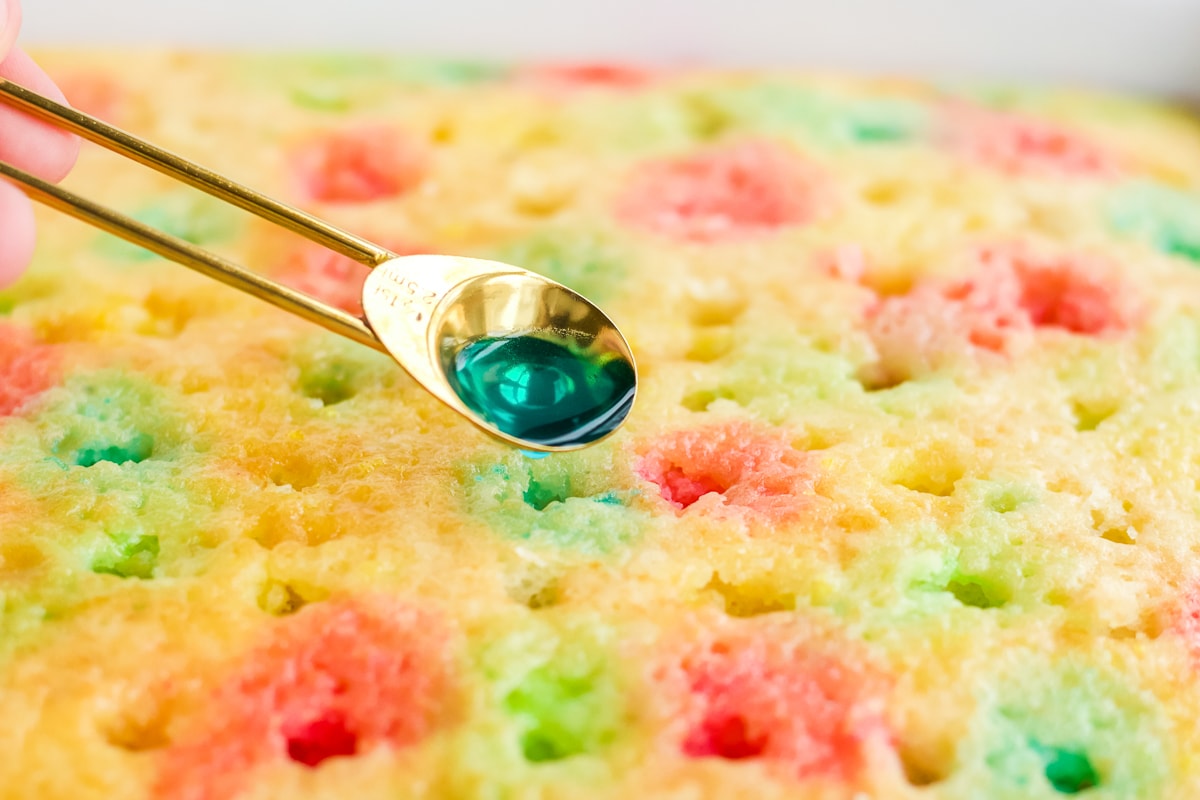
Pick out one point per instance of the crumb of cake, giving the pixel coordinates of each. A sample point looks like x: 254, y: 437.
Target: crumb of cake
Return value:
x: 735, y: 191
x: 742, y: 467
x: 358, y: 165
x: 26, y: 368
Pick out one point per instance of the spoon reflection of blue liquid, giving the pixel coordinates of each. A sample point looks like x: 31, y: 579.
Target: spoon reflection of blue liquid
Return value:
x: 542, y: 388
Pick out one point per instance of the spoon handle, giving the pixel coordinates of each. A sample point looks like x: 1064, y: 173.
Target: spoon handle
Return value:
x: 189, y: 255
x: 143, y: 152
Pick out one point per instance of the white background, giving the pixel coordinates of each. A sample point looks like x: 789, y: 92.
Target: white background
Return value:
x: 1137, y: 44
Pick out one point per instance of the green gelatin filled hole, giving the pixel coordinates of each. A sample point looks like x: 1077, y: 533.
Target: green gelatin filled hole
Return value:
x: 128, y: 556
x: 542, y: 493
x: 1068, y: 771
x: 543, y: 389
x: 136, y: 450
x: 563, y: 715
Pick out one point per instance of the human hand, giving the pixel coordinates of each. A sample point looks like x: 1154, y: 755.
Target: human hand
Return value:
x: 27, y: 144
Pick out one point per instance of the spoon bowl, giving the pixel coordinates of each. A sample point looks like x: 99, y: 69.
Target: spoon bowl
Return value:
x: 525, y: 359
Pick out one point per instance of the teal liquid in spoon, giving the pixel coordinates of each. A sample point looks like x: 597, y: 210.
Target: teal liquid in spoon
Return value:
x: 543, y: 388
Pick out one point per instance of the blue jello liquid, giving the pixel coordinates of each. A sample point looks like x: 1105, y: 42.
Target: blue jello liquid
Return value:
x: 543, y: 388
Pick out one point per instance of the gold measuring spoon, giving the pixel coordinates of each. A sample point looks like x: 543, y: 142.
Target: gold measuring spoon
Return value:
x: 525, y: 359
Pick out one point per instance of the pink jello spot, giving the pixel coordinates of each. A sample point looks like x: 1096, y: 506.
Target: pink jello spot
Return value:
x: 732, y: 192
x: 683, y: 490
x: 328, y: 276
x: 26, y: 368
x: 1184, y: 621
x: 334, y: 681
x: 757, y: 471
x: 358, y: 165
x: 94, y: 93
x: 587, y: 75
x: 1017, y: 145
x: 1012, y: 293
x: 726, y: 736
x: 755, y: 698
x: 1076, y: 294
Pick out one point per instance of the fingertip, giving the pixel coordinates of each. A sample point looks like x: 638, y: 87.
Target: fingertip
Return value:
x: 30, y: 144
x: 16, y: 233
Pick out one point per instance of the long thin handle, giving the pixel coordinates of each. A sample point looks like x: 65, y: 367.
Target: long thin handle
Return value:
x: 189, y: 255
x: 194, y: 175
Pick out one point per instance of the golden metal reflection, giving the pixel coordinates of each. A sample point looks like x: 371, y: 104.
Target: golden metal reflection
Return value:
x: 425, y: 308
x: 419, y: 309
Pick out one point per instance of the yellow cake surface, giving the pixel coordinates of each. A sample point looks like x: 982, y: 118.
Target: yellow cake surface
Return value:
x: 908, y: 506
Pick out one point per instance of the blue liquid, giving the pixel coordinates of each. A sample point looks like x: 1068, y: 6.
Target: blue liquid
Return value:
x: 542, y: 388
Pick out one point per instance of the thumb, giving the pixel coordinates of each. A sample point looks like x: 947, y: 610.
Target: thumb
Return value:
x: 10, y: 25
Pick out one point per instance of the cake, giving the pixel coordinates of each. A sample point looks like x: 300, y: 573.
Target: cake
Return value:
x: 907, y: 506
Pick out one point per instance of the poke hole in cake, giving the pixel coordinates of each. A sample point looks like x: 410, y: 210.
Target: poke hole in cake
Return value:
x: 906, y: 507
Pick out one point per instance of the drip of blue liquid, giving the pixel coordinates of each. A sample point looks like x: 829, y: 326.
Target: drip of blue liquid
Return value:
x: 543, y: 388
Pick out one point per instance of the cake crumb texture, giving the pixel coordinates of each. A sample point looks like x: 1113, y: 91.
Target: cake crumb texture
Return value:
x: 907, y: 507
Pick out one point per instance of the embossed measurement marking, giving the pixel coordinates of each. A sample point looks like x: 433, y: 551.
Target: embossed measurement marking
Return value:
x: 405, y: 292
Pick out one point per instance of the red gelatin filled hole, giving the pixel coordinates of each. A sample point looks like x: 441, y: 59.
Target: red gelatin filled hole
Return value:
x: 1074, y: 294
x: 335, y: 679
x: 323, y: 738
x: 811, y: 711
x: 682, y: 490
x: 753, y: 470
x: 725, y: 736
x: 734, y: 192
x: 1012, y: 294
x: 358, y: 165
